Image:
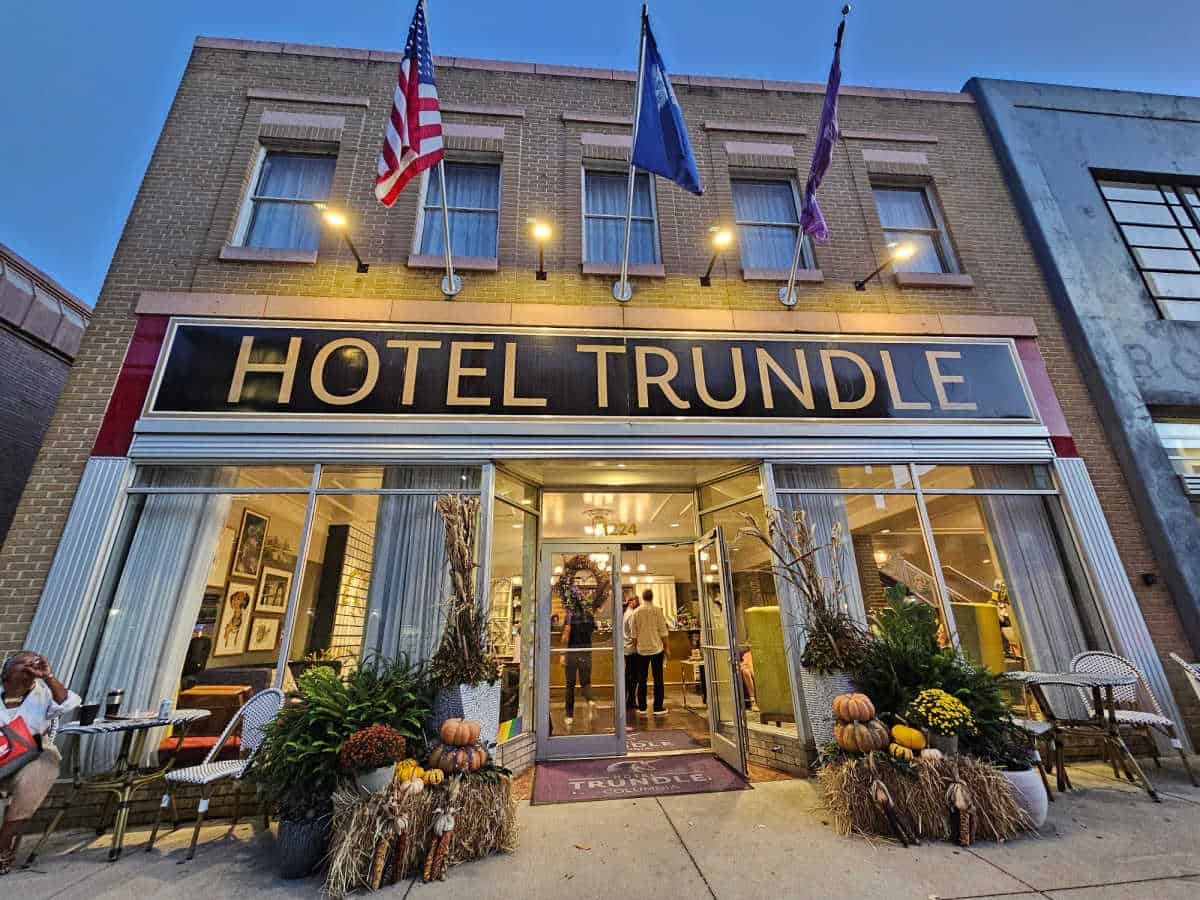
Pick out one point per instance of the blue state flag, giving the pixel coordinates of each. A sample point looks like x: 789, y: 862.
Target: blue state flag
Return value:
x: 661, y: 145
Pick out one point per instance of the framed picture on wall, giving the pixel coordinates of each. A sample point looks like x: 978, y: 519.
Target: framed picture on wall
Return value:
x: 233, y: 627
x: 251, y: 540
x: 264, y: 634
x: 273, y: 590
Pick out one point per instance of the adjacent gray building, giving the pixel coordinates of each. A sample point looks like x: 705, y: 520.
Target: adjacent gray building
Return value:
x: 1108, y: 183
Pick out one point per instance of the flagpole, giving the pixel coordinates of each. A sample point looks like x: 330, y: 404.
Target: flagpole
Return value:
x: 787, y: 295
x: 622, y: 290
x: 451, y: 283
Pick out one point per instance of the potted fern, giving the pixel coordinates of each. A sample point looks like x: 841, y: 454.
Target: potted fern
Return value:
x: 463, y: 668
x: 833, y: 641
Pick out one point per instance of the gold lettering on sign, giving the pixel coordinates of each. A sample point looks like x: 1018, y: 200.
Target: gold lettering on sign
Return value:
x: 663, y: 381
x: 940, y: 379
x: 287, y: 369
x: 835, y: 398
x: 768, y: 366
x: 510, y: 380
x: 317, y: 376
x: 601, y: 351
x: 457, y: 372
x: 889, y: 373
x: 739, y: 380
x: 413, y: 349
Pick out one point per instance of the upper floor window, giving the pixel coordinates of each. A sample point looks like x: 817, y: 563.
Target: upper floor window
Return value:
x: 281, y: 211
x: 1161, y: 226
x: 473, y: 199
x: 605, y: 195
x: 909, y: 215
x: 767, y: 219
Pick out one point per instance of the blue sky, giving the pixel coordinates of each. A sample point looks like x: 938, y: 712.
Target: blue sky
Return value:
x: 86, y: 86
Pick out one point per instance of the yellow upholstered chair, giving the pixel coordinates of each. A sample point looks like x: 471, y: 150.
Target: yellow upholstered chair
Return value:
x: 979, y: 633
x: 771, y: 684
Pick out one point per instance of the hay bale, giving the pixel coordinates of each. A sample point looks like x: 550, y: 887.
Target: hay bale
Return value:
x: 485, y: 823
x: 920, y: 795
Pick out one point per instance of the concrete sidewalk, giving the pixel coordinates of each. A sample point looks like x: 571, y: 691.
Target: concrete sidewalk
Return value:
x: 1107, y: 840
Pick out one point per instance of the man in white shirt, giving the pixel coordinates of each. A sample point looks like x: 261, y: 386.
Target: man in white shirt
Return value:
x: 648, y: 628
x: 633, y: 671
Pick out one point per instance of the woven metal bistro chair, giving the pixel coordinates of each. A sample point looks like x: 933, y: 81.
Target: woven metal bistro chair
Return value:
x: 1191, y: 670
x: 254, y: 716
x: 1129, y: 716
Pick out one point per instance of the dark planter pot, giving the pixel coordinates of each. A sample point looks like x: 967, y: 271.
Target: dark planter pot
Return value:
x: 301, y: 845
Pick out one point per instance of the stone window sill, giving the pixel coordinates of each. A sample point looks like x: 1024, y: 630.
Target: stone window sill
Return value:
x: 267, y: 254
x: 803, y: 276
x: 639, y: 270
x: 934, y: 280
x: 466, y: 263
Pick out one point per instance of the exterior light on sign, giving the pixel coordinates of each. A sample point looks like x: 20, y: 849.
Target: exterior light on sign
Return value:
x: 721, y: 238
x: 541, y: 233
x: 337, y: 220
x: 896, y: 253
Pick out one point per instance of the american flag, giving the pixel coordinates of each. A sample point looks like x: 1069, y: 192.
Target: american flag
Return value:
x: 412, y: 141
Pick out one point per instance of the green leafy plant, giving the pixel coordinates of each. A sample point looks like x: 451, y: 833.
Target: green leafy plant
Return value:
x: 833, y: 640
x: 464, y: 655
x: 297, y: 767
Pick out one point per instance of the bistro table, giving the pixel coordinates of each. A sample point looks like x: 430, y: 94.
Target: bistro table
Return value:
x: 126, y: 778
x: 1103, y: 719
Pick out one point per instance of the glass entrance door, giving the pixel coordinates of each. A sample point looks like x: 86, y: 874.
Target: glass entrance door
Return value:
x: 718, y: 648
x: 581, y: 677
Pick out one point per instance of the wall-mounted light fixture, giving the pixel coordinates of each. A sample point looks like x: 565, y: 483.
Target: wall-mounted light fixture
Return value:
x: 896, y: 252
x: 721, y: 238
x: 542, y: 234
x: 337, y: 221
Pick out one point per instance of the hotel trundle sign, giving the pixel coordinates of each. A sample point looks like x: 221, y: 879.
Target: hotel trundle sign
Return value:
x: 281, y: 369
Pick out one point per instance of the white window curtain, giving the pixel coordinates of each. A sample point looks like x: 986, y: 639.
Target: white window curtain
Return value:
x: 283, y: 216
x: 604, y: 218
x: 823, y: 511
x: 906, y: 218
x: 473, y: 197
x: 767, y: 223
x: 157, y: 599
x: 410, y: 577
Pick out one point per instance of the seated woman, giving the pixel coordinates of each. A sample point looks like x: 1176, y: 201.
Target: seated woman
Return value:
x: 30, y: 692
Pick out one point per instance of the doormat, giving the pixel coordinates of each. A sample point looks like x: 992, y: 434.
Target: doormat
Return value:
x: 661, y: 741
x: 575, y: 780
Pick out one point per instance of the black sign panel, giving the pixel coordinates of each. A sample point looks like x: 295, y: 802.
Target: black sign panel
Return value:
x: 281, y: 369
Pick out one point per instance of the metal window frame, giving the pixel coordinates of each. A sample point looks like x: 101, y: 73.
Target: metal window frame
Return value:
x: 252, y: 198
x: 942, y: 243
x: 1160, y: 185
x: 584, y: 215
x: 807, y: 260
x: 423, y: 206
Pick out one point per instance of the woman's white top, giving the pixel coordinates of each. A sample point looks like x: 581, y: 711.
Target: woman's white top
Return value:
x: 39, y: 709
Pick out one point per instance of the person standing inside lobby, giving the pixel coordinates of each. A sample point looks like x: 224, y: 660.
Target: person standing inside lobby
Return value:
x: 649, y: 628
x: 577, y: 639
x: 633, y: 672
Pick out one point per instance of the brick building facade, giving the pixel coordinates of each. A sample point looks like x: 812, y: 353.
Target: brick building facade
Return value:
x: 41, y: 325
x: 187, y: 251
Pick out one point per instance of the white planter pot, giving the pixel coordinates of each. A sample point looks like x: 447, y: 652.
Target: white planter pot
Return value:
x: 375, y: 780
x: 819, y: 691
x: 1029, y: 793
x: 477, y: 702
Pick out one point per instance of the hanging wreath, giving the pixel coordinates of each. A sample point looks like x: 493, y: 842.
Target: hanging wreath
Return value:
x: 572, y: 596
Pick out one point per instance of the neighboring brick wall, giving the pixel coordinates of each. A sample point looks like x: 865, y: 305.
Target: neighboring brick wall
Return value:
x: 189, y: 199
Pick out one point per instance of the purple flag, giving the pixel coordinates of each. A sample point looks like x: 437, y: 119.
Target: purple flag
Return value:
x: 811, y: 220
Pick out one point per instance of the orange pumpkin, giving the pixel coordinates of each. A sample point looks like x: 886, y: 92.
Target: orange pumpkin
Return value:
x: 853, y: 707
x: 460, y: 732
x: 862, y: 737
x: 452, y: 759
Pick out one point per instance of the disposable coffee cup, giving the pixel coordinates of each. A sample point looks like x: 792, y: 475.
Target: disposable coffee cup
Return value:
x: 112, y: 706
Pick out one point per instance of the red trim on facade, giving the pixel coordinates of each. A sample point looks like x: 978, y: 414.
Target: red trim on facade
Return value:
x: 133, y: 383
x: 1045, y: 398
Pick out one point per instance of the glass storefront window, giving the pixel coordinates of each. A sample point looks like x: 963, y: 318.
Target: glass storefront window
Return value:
x: 730, y: 489
x: 512, y: 607
x: 846, y: 478
x: 622, y: 515
x: 987, y: 478
x: 518, y: 493
x: 248, y: 477
x: 417, y: 477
